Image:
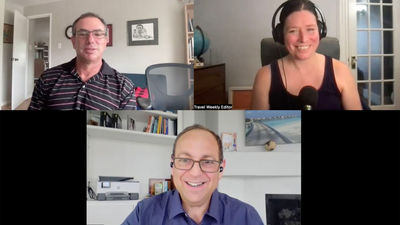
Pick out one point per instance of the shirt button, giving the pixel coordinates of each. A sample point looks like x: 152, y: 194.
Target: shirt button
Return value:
x: 83, y: 86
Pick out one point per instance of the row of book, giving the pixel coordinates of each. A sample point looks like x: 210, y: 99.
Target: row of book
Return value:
x: 158, y: 186
x: 161, y: 125
x: 191, y: 40
x: 190, y: 25
x: 191, y: 48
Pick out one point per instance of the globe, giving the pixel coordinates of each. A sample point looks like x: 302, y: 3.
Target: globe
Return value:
x: 201, y: 42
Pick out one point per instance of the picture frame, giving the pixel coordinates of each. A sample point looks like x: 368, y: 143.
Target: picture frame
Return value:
x: 283, y: 208
x: 279, y: 126
x: 159, y: 185
x: 130, y: 122
x: 110, y: 35
x: 142, y: 32
x: 8, y: 33
x: 228, y: 141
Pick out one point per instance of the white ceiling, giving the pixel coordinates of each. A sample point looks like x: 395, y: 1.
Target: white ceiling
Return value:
x: 24, y: 3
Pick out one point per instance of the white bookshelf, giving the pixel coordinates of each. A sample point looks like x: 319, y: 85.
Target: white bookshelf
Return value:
x: 128, y: 135
x: 189, y: 32
x: 137, y: 135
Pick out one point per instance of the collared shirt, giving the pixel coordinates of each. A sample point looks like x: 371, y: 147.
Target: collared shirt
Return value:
x: 61, y: 88
x: 166, y: 209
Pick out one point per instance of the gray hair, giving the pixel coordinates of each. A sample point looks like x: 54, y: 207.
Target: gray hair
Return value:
x: 86, y: 15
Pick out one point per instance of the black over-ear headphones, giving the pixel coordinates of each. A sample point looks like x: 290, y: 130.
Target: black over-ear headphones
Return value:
x: 277, y: 31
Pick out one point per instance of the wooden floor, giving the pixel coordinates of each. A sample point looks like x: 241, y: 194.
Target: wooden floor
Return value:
x: 6, y: 107
x: 23, y: 106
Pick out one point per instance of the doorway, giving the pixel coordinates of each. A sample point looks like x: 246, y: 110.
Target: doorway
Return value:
x: 38, y: 52
x: 32, y: 38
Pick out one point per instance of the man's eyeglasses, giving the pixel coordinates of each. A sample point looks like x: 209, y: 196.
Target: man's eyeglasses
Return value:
x: 85, y: 33
x: 208, y: 166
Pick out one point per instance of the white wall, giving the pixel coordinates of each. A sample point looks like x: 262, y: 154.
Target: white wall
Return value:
x: 127, y: 159
x: 236, y: 27
x: 41, y: 29
x: 124, y: 58
x: 252, y: 190
x: 227, y: 121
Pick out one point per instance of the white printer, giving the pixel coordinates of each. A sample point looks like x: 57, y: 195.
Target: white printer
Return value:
x: 117, y: 188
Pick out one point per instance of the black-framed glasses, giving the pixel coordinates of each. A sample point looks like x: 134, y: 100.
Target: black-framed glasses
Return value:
x: 85, y: 33
x: 206, y: 165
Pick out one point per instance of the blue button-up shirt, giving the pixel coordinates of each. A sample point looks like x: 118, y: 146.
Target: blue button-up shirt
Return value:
x: 166, y: 209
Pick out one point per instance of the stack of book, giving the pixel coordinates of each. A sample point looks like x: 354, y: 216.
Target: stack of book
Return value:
x: 158, y: 186
x: 161, y: 125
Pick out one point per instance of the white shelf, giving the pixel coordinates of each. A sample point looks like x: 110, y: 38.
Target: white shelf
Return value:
x: 129, y: 135
x: 91, y: 202
x: 108, y: 212
x: 169, y: 115
x: 124, y: 113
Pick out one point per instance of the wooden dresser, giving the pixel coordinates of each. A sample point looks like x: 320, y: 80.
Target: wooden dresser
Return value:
x: 209, y: 85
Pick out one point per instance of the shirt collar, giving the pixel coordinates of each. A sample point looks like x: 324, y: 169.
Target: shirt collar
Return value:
x: 104, y: 70
x: 175, y: 207
x: 215, y: 207
x: 214, y: 210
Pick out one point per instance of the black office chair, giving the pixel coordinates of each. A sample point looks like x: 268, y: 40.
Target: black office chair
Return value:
x: 170, y: 86
x: 271, y: 51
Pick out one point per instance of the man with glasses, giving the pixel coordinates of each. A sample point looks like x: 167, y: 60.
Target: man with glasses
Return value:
x: 197, y: 166
x: 87, y: 82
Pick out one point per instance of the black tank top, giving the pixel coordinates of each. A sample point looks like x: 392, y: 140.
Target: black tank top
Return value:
x: 329, y: 96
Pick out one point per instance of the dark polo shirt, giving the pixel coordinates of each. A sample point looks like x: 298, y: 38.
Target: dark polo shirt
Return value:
x: 60, y: 88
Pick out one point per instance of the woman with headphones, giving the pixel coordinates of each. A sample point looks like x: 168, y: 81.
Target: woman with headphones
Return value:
x: 279, y: 85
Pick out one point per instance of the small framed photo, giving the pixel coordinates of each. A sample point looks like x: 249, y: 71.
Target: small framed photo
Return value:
x: 228, y: 141
x: 158, y: 186
x: 110, y: 34
x: 8, y: 32
x: 143, y: 32
x: 130, y: 122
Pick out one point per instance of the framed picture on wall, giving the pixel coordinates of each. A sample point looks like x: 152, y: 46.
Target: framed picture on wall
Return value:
x: 143, y: 32
x: 110, y: 34
x: 8, y: 32
x: 228, y: 140
x: 283, y: 208
x: 280, y: 126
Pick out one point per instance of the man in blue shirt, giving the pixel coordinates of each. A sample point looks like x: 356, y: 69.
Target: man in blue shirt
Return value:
x: 197, y: 166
